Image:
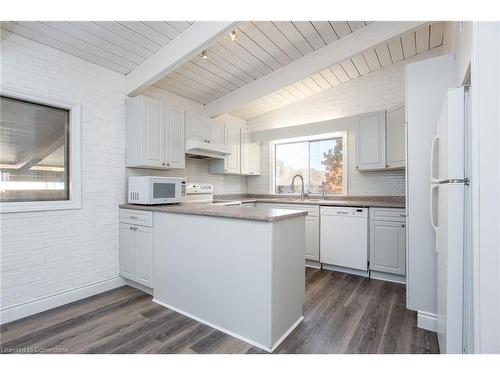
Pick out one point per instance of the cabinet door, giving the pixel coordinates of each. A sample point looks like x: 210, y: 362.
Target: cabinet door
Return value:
x: 387, y: 247
x: 127, y: 251
x: 396, y: 137
x: 232, y: 161
x: 312, y: 238
x: 144, y: 255
x: 196, y: 126
x: 370, y: 141
x: 152, y: 133
x: 215, y: 132
x: 255, y: 159
x: 246, y: 159
x: 175, y: 142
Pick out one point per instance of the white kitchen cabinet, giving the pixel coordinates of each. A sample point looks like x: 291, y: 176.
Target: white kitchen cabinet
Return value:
x: 387, y: 247
x: 175, y: 144
x: 396, y: 137
x: 204, y: 129
x: 196, y: 126
x: 311, y: 251
x: 127, y: 251
x: 370, y: 141
x: 312, y: 238
x: 250, y: 156
x: 216, y: 132
x: 388, y: 242
x: 231, y: 164
x: 154, y: 134
x: 136, y: 247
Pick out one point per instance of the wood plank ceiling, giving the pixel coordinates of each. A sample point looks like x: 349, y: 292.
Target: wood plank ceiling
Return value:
x: 379, y: 57
x: 259, y: 48
x: 119, y: 46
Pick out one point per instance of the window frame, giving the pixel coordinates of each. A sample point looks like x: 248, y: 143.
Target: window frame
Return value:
x: 74, y: 144
x: 309, y: 138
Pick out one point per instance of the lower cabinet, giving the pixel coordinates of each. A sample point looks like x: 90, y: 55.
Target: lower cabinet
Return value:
x: 311, y: 251
x: 136, y: 253
x: 312, y: 238
x: 388, y: 241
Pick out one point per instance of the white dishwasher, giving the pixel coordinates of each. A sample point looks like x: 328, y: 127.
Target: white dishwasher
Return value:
x: 344, y: 237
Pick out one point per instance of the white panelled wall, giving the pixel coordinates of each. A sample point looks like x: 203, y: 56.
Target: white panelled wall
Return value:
x: 378, y: 90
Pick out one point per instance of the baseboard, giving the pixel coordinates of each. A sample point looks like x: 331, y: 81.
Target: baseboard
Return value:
x: 230, y: 333
x: 351, y: 271
x: 313, y: 264
x: 142, y: 288
x: 290, y: 330
x: 427, y: 321
x: 22, y: 310
x: 388, y: 277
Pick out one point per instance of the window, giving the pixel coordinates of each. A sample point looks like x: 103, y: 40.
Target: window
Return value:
x: 39, y: 153
x: 319, y: 160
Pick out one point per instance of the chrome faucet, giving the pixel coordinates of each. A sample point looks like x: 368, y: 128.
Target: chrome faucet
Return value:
x: 292, y: 186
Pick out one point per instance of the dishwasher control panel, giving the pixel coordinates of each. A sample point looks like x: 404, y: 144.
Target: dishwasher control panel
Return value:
x: 345, y: 211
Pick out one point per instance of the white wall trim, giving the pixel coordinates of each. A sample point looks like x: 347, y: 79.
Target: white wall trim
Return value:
x: 22, y: 310
x: 426, y: 320
x: 75, y: 158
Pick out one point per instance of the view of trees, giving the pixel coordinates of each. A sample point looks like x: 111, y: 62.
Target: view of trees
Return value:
x: 334, y: 176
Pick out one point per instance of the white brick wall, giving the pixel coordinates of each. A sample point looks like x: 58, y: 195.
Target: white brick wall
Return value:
x: 375, y: 91
x: 43, y: 253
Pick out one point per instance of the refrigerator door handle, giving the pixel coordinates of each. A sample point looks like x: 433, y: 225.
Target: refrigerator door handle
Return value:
x: 432, y: 206
x: 433, y: 153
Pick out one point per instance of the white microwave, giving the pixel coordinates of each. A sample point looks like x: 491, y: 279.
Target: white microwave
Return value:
x: 156, y: 190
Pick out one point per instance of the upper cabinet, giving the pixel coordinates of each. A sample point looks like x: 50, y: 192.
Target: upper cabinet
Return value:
x: 370, y: 141
x: 250, y: 156
x: 396, y: 137
x: 231, y: 163
x: 155, y: 134
x: 204, y: 129
x: 380, y: 140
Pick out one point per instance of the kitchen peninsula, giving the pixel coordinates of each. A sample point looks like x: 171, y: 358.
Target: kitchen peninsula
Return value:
x: 237, y: 269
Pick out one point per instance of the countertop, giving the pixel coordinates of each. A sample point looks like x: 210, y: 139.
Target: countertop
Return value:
x: 234, y: 212
x: 346, y: 201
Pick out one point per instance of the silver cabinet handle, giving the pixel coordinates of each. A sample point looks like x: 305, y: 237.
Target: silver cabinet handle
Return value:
x: 133, y: 228
x: 163, y: 164
x: 402, y: 225
x: 402, y: 215
x: 132, y: 217
x: 168, y: 164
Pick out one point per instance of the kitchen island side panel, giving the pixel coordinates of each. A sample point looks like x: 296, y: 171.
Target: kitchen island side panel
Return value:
x: 216, y: 270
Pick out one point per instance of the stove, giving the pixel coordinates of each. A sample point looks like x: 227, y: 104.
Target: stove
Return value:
x: 204, y: 194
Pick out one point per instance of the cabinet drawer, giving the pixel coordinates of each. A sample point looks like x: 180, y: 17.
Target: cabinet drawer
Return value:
x: 311, y: 210
x: 388, y: 214
x: 136, y: 217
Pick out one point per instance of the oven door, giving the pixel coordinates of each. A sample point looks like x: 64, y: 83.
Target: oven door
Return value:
x: 163, y: 191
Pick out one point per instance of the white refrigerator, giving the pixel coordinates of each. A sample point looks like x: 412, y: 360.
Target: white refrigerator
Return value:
x: 450, y: 215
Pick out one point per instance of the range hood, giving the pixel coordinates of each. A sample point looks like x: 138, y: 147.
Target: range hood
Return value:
x: 205, y: 150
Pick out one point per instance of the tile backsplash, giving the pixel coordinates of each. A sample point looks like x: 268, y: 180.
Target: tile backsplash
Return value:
x: 197, y: 171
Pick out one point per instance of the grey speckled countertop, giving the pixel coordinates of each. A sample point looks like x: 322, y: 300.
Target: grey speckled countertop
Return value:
x: 234, y: 212
x: 346, y: 201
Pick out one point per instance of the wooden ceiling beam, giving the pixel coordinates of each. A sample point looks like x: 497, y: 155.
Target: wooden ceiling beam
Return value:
x: 190, y: 42
x: 334, y: 53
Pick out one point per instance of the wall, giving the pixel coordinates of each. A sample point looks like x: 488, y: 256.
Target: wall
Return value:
x: 46, y: 253
x: 460, y: 40
x: 375, y: 91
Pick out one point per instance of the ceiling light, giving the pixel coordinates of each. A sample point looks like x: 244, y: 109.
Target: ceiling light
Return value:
x: 204, y: 54
x: 232, y: 34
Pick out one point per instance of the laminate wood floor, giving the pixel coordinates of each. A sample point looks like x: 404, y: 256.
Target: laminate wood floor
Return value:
x: 342, y: 314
